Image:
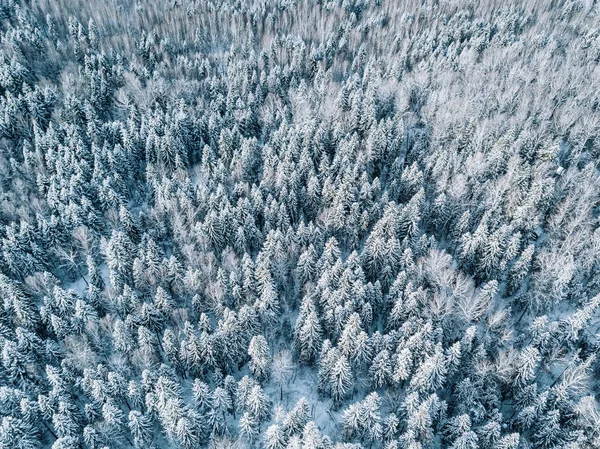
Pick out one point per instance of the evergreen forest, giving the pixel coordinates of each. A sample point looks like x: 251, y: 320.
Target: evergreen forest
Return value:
x: 299, y: 224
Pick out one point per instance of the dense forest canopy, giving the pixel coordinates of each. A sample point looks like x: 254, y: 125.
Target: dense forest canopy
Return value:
x: 299, y: 224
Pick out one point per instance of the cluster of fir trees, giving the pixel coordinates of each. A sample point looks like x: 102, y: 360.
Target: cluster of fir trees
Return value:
x: 203, y: 201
